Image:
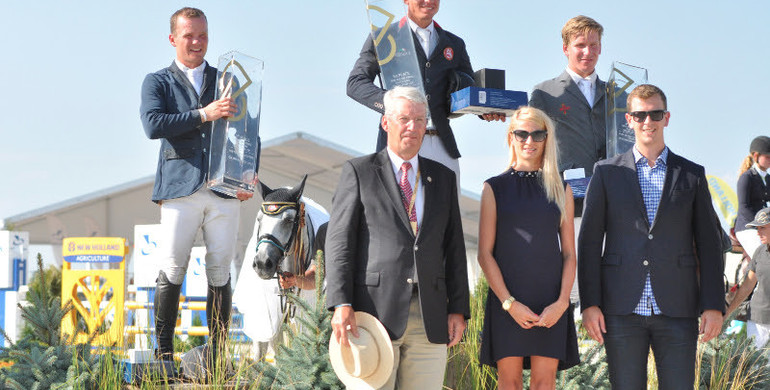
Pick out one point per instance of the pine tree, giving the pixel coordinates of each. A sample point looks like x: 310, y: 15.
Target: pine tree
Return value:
x: 44, y: 359
x: 591, y: 373
x: 302, y: 362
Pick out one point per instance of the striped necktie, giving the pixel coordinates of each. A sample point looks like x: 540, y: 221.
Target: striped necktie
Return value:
x: 406, y: 194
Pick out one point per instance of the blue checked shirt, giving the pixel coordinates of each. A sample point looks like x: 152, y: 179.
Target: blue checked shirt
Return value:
x: 651, y: 180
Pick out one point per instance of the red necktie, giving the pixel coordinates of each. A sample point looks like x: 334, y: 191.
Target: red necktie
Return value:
x: 406, y: 194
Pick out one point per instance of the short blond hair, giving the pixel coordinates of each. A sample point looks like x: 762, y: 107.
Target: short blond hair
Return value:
x: 186, y: 12
x: 644, y: 92
x: 580, y: 25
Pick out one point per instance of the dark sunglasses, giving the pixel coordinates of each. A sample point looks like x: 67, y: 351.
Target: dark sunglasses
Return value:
x: 641, y: 116
x: 537, y: 135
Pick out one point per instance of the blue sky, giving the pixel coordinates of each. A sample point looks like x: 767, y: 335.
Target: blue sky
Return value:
x: 73, y: 72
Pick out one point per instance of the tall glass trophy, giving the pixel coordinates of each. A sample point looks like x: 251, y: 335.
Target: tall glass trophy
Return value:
x: 235, y: 140
x: 623, y: 79
x: 394, y: 45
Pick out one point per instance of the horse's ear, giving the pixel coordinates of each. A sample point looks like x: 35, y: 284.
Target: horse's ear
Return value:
x: 264, y: 189
x: 296, y: 192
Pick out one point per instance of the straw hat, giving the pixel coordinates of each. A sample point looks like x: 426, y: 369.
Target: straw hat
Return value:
x: 368, y: 362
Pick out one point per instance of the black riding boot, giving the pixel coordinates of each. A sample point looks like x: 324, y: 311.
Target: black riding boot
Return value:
x: 219, y: 303
x: 166, y: 309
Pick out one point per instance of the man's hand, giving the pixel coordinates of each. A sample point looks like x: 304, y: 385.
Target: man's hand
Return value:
x: 593, y: 321
x: 456, y: 328
x: 287, y: 281
x: 493, y: 116
x: 223, y: 107
x: 243, y: 195
x: 344, y: 320
x: 710, y: 324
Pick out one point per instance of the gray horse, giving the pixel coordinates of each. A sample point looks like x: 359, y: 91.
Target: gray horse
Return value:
x: 285, y: 236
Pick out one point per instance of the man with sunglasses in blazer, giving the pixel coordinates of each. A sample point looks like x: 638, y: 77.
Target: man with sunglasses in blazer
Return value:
x: 650, y: 260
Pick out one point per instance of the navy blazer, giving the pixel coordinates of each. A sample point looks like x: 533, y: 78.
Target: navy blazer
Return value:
x: 372, y: 253
x: 169, y: 112
x: 753, y: 195
x: 617, y: 247
x: 449, y: 54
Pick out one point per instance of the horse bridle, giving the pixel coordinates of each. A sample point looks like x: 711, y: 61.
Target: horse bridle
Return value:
x: 275, y: 208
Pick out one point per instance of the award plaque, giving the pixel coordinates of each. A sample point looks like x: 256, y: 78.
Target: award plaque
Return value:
x: 623, y: 79
x: 394, y: 46
x: 235, y: 140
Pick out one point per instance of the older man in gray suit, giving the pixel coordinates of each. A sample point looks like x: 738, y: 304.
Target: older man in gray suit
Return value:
x: 575, y: 100
x: 395, y: 248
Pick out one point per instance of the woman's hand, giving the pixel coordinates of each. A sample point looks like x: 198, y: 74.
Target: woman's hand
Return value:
x: 552, y: 313
x: 523, y: 315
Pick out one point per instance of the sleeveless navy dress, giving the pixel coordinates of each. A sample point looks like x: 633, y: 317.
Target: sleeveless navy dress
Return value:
x: 528, y: 254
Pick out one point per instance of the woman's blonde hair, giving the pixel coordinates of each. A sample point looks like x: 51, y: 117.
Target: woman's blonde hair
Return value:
x: 549, y: 178
x: 747, y: 163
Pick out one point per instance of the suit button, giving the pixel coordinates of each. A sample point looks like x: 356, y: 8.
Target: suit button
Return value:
x: 646, y: 263
x: 204, y: 150
x: 649, y: 236
x: 427, y: 97
x: 203, y: 135
x: 416, y: 248
x: 410, y: 281
x: 427, y: 64
x: 427, y: 80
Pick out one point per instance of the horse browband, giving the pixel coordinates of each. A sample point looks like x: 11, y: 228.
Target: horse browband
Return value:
x: 273, y: 208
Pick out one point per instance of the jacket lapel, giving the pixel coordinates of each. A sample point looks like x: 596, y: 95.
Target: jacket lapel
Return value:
x: 673, y: 171
x: 601, y: 87
x: 384, y: 171
x: 182, y: 79
x: 209, y: 78
x: 570, y: 86
x: 429, y: 196
x: 632, y: 181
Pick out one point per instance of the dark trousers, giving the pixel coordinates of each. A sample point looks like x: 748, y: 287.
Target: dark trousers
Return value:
x: 674, y: 343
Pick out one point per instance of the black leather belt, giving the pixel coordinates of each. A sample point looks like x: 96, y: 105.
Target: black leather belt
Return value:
x: 431, y: 132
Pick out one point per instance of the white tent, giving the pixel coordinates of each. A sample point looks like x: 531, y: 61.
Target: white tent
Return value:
x: 114, y: 211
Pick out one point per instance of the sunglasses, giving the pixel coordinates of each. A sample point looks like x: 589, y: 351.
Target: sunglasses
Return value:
x: 641, y: 116
x: 537, y: 135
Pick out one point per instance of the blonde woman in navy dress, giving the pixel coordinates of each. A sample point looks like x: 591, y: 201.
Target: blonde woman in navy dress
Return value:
x: 527, y: 252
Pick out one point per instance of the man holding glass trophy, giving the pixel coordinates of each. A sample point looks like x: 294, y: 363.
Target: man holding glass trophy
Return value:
x: 414, y: 51
x: 178, y: 107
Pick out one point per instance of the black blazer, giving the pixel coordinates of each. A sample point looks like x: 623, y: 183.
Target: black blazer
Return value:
x: 449, y: 54
x: 371, y: 251
x: 681, y: 250
x: 753, y: 196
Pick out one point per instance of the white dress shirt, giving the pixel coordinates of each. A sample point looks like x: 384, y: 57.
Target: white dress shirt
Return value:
x: 194, y: 75
x: 430, y: 32
x: 587, y: 85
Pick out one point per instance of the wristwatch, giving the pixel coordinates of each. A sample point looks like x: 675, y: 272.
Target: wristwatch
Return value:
x: 508, y: 302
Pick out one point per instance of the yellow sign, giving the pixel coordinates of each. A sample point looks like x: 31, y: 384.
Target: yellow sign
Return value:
x: 97, y: 295
x: 725, y: 198
x: 93, y: 249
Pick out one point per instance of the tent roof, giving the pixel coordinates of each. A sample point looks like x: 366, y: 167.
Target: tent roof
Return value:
x: 115, y: 210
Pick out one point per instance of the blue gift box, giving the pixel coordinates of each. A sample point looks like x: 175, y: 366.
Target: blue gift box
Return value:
x: 475, y: 100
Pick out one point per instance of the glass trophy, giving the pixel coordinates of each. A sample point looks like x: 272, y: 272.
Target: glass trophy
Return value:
x: 394, y: 45
x: 235, y: 139
x: 623, y: 79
